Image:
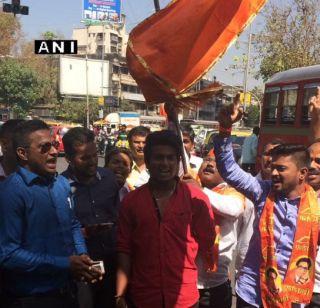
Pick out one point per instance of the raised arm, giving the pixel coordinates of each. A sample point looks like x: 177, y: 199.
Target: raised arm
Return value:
x: 229, y: 205
x: 315, y: 116
x: 227, y: 166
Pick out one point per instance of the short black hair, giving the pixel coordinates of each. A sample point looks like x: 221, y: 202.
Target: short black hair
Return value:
x: 256, y: 130
x: 187, y: 130
x: 297, y: 151
x: 24, y: 129
x: 138, y: 131
x: 7, y: 129
x: 74, y: 137
x: 164, y: 137
x: 116, y: 151
x: 304, y: 259
x: 275, y: 141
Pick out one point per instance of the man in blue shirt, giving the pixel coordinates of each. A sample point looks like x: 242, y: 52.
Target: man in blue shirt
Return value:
x: 249, y: 151
x: 41, y: 245
x: 96, y: 205
x: 289, y: 172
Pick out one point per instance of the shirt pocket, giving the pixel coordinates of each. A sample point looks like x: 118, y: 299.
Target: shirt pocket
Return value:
x: 179, y: 222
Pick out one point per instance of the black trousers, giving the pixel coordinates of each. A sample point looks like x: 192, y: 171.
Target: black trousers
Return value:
x: 43, y: 301
x: 315, y: 301
x: 217, y: 297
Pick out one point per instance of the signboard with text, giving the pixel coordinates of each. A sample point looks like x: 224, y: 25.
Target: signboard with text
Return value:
x: 102, y: 10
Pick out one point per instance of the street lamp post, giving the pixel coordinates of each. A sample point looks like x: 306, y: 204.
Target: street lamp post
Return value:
x: 87, y: 81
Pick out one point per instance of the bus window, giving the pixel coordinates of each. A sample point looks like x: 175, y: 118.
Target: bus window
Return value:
x: 310, y: 90
x: 290, y: 95
x: 271, y: 104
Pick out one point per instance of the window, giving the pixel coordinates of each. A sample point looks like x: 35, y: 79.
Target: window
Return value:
x: 113, y: 38
x: 271, y: 104
x: 124, y: 70
x: 309, y: 90
x: 100, y: 36
x: 124, y: 87
x: 290, y: 95
x: 115, y: 69
x: 113, y: 49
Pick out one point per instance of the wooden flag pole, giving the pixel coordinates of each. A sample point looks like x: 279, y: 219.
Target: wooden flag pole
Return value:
x: 173, y: 116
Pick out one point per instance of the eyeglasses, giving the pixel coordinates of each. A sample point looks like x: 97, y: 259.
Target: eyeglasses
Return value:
x: 46, y: 147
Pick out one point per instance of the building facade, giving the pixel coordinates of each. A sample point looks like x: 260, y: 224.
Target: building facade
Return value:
x: 105, y: 44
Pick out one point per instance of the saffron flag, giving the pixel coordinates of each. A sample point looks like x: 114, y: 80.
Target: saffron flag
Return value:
x: 169, y: 51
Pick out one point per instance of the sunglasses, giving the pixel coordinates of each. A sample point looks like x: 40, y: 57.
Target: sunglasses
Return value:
x: 46, y: 147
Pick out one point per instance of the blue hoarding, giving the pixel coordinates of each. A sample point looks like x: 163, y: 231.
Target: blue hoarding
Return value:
x: 108, y: 10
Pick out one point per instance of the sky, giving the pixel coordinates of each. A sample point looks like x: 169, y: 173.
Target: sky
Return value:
x: 62, y: 16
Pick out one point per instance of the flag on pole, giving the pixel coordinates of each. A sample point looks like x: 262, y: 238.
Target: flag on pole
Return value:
x: 171, y: 50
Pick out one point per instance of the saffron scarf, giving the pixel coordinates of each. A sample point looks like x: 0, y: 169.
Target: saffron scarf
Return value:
x: 297, y: 285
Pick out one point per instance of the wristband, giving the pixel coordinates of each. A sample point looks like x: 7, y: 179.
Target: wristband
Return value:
x: 225, y: 130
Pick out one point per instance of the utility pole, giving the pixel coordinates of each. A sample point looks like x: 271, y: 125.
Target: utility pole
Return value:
x: 156, y: 5
x: 247, y: 68
x: 87, y: 80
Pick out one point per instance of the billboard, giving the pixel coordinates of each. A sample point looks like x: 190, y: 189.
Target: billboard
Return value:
x: 97, y: 10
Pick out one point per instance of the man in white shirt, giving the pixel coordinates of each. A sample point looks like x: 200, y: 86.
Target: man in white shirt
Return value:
x: 234, y: 215
x: 137, y: 140
x: 249, y: 152
x: 188, y: 142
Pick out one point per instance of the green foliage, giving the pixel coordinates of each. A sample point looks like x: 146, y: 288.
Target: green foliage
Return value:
x: 19, y: 86
x: 253, y: 116
x: 125, y: 105
x: 290, y: 38
x: 9, y: 32
x: 75, y: 110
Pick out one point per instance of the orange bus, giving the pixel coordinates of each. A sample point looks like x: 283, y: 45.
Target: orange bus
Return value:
x: 285, y: 105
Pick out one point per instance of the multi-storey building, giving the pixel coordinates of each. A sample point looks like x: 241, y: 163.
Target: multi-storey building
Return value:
x: 108, y: 42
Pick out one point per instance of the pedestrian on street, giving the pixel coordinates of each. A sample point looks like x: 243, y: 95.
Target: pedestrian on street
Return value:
x: 249, y: 152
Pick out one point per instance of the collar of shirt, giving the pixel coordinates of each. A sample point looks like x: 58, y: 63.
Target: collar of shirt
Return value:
x: 30, y: 177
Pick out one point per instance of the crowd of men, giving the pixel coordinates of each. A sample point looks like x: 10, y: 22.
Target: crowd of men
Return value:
x: 140, y: 233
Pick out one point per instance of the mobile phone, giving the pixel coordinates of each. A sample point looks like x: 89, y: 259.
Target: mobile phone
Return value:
x: 99, y: 265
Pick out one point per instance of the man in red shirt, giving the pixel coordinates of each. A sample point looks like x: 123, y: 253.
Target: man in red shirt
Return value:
x: 162, y: 226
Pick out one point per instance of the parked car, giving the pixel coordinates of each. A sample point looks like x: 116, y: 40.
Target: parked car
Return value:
x: 237, y: 136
